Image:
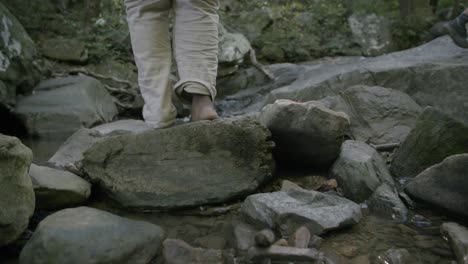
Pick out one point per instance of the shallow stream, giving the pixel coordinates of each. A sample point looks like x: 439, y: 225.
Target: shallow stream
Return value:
x: 210, y: 226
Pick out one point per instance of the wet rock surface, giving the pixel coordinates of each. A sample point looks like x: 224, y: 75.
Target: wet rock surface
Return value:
x: 307, y: 134
x: 457, y: 236
x: 17, y: 203
x: 179, y: 252
x: 56, y: 189
x: 360, y: 170
x: 188, y: 165
x: 386, y: 203
x: 436, y: 136
x: 443, y: 185
x: 87, y: 235
x: 64, y: 105
x: 285, y: 211
x: 395, y: 256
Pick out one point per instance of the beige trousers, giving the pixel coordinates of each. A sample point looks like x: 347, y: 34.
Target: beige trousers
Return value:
x: 195, y: 46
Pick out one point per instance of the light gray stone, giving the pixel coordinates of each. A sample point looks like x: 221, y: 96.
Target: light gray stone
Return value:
x: 87, y: 235
x: 286, y: 211
x: 280, y: 253
x: 179, y: 252
x: 436, y: 136
x: 300, y: 238
x: 378, y: 115
x: 56, y: 189
x: 443, y: 185
x: 457, y: 237
x: 70, y: 154
x: 17, y: 194
x: 372, y: 33
x: 64, y: 105
x: 188, y: 165
x: 242, y: 237
x: 386, y: 202
x: 307, y: 134
x: 420, y: 72
x: 233, y: 47
x: 360, y: 170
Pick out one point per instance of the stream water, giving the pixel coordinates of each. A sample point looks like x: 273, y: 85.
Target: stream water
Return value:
x: 363, y: 243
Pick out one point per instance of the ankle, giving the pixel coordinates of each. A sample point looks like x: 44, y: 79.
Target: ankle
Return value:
x: 196, y: 98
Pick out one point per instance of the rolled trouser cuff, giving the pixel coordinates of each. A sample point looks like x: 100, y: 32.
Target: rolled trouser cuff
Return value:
x: 185, y: 88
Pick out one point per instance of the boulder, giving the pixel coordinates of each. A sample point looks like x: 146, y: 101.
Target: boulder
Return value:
x: 360, y: 170
x: 286, y: 211
x: 436, y: 136
x: 419, y: 72
x: 66, y: 50
x: 372, y: 33
x: 308, y: 133
x: 443, y: 185
x: 457, y: 236
x: 64, y: 105
x: 386, y: 202
x: 188, y: 165
x: 17, y: 202
x: 56, y: 189
x: 232, y: 47
x: 87, y: 235
x: 179, y: 252
x: 70, y: 154
x: 378, y: 115
x: 18, y: 70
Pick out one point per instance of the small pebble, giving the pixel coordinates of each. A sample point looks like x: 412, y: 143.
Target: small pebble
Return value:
x: 265, y: 238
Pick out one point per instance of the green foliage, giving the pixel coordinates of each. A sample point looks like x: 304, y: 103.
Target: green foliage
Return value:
x: 109, y: 34
x: 301, y: 29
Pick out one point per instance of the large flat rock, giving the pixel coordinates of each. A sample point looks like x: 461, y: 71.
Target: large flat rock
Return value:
x: 17, y: 195
x: 87, y: 235
x: 64, y: 105
x: 432, y: 74
x: 444, y: 185
x: 187, y: 165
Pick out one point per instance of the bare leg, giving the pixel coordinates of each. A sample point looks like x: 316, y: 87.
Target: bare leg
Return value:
x: 196, y: 54
x: 203, y: 108
x: 149, y: 30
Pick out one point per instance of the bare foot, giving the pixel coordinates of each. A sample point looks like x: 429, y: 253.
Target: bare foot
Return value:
x: 203, y: 108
